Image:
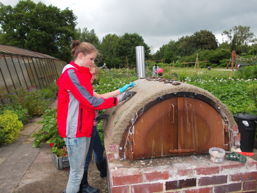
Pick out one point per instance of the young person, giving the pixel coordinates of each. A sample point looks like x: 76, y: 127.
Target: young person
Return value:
x: 76, y: 109
x: 96, y: 146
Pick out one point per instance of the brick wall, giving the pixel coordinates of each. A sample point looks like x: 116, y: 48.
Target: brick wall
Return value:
x: 190, y: 174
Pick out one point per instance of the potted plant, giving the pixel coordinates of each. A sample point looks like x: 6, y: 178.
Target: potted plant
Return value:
x: 60, y: 157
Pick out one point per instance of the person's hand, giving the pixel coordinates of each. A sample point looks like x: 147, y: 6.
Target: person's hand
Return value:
x: 125, y: 87
x: 125, y: 96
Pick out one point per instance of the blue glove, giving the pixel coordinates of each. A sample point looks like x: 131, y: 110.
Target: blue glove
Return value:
x: 124, y: 88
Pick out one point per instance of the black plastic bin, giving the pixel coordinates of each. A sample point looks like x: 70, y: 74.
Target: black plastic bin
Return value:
x: 247, y: 124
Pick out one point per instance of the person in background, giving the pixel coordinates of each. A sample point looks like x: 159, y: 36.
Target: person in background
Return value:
x: 155, y: 69
x: 96, y: 146
x: 76, y: 109
x: 160, y: 71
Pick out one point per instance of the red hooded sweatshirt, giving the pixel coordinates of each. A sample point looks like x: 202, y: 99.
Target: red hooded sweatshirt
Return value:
x: 76, y: 103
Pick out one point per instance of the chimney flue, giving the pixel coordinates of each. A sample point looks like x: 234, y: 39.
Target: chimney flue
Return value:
x: 140, y: 56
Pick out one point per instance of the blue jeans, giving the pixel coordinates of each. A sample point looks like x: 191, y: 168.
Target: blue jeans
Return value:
x: 96, y: 147
x: 77, y: 150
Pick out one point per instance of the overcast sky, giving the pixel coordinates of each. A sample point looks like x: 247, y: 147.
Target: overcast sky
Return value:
x: 159, y: 21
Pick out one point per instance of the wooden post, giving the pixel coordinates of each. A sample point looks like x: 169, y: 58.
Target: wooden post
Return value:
x: 233, y: 59
x: 197, y: 61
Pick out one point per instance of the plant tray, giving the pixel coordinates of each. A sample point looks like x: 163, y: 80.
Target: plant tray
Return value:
x: 60, y: 162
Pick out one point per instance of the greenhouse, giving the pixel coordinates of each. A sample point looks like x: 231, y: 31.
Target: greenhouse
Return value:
x: 25, y: 69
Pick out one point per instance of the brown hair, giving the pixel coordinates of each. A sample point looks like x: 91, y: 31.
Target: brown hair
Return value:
x: 84, y: 47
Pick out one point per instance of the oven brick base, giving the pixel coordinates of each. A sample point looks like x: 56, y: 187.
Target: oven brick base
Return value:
x: 189, y: 174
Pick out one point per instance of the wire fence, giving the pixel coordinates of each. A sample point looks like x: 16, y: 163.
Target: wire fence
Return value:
x: 19, y: 72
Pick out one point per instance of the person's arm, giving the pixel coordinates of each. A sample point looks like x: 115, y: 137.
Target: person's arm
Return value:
x: 72, y: 84
x: 108, y: 94
x: 115, y: 92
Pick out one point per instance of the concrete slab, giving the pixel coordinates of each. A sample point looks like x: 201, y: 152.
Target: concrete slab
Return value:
x: 42, y: 176
x: 15, y: 164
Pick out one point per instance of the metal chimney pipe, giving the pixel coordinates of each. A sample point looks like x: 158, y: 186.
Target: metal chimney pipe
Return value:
x: 140, y: 56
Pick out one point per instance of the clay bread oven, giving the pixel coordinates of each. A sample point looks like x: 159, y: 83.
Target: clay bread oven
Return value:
x: 166, y: 118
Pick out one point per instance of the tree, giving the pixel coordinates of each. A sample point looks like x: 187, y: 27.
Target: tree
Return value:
x: 239, y: 37
x: 253, y: 49
x: 38, y: 27
x: 109, y: 50
x: 84, y: 35
x: 167, y: 53
x: 201, y: 40
x: 204, y: 40
x: 185, y: 46
x: 126, y: 49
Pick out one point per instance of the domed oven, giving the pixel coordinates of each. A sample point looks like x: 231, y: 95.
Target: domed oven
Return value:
x: 166, y: 118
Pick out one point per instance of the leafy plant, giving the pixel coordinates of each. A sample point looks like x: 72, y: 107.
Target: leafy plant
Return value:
x: 50, y: 92
x: 113, y: 79
x: 252, y: 93
x: 247, y: 72
x: 60, y: 152
x: 48, y: 130
x: 10, y: 127
x: 31, y: 100
x: 22, y: 112
x: 35, y: 104
x: 232, y: 93
x: 49, y: 134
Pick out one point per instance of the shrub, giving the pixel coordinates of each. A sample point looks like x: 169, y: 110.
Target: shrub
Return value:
x: 252, y: 93
x: 35, y: 104
x: 50, y: 92
x: 10, y: 127
x: 31, y: 100
x: 247, y: 72
x: 216, y: 56
x: 207, y: 58
x: 22, y: 112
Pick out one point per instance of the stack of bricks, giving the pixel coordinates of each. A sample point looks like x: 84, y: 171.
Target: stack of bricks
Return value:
x: 187, y: 174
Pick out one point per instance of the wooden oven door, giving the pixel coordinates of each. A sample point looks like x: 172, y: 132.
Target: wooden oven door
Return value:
x: 200, y: 127
x: 176, y: 126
